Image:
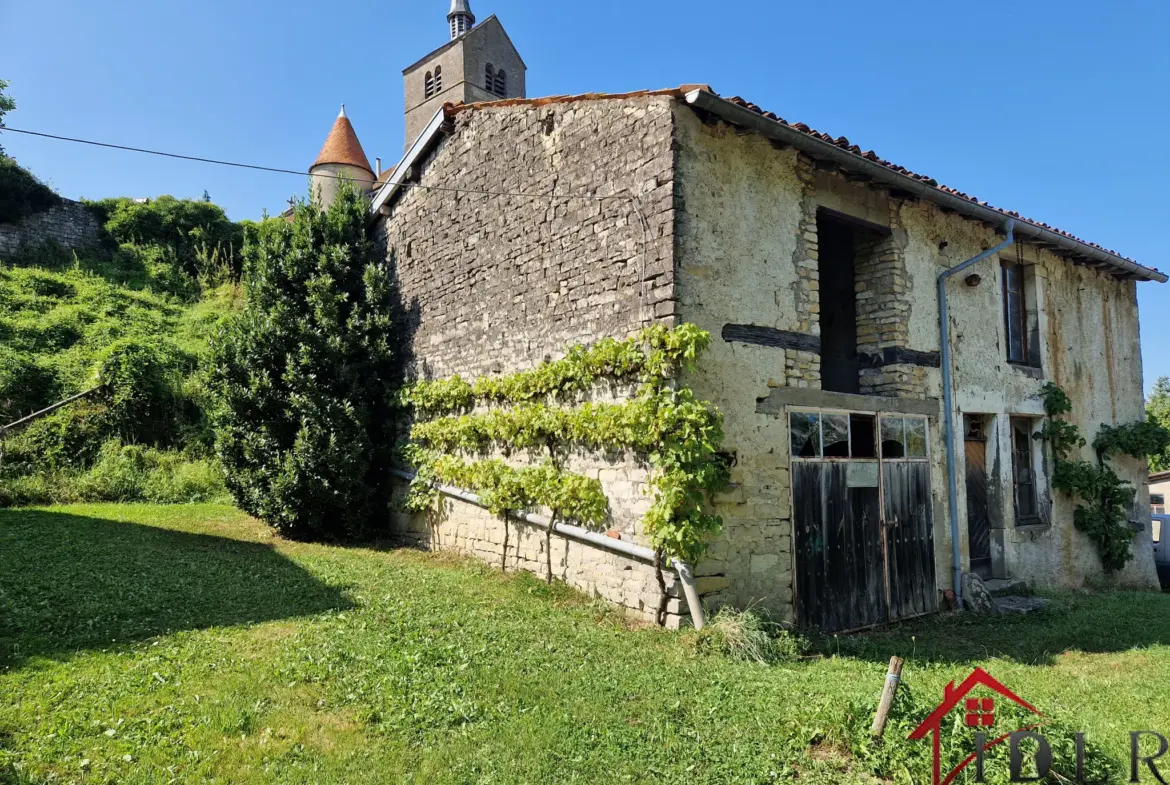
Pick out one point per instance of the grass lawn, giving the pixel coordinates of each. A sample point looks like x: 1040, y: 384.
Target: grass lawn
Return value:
x: 147, y: 644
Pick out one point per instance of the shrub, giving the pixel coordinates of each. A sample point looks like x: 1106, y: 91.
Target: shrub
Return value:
x: 749, y: 636
x: 29, y: 489
x: 67, y: 438
x: 303, y: 379
x: 24, y: 384
x: 143, y: 381
x: 175, y: 479
x: 199, y: 233
x: 118, y: 476
x: 21, y: 193
x: 121, y: 473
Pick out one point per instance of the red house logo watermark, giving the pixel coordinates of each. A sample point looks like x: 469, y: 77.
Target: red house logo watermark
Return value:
x: 978, y: 713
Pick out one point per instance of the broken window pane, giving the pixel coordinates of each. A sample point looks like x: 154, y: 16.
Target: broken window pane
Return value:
x: 893, y: 438
x: 915, y: 437
x: 835, y: 432
x: 805, y: 432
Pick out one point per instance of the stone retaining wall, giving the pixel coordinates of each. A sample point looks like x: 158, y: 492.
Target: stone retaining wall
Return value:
x: 70, y: 225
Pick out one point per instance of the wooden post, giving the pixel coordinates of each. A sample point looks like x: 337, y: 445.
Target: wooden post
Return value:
x: 893, y: 677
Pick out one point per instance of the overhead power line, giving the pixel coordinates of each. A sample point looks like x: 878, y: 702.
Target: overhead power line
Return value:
x: 643, y: 223
x: 150, y: 152
x: 277, y: 170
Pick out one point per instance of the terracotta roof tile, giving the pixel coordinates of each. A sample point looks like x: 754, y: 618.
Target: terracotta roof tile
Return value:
x: 342, y: 146
x: 870, y: 155
x: 840, y: 141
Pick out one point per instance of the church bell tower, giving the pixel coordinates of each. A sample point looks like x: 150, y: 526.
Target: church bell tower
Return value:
x: 461, y: 18
x: 478, y: 63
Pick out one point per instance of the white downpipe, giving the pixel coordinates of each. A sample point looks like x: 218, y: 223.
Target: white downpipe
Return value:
x: 643, y: 554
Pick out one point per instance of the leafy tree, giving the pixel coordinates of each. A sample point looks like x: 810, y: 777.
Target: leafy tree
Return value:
x: 1158, y: 411
x: 6, y: 105
x: 303, y: 381
x: 21, y: 193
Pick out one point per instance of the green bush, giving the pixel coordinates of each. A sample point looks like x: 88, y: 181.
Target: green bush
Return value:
x: 69, y: 438
x: 199, y: 233
x: 304, y: 378
x: 25, y: 384
x: 175, y: 479
x: 121, y: 473
x: 143, y: 381
x: 21, y: 193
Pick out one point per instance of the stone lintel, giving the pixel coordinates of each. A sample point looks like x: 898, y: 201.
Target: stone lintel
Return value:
x: 781, y: 397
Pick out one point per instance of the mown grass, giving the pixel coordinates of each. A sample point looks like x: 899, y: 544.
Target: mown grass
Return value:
x: 146, y: 644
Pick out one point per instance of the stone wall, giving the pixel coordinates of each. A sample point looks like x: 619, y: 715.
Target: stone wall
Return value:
x: 70, y: 224
x: 496, y: 283
x: 747, y: 272
x: 747, y: 254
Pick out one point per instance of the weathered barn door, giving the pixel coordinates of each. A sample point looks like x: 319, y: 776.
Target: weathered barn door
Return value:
x: 978, y: 513
x: 909, y: 524
x: 863, y: 541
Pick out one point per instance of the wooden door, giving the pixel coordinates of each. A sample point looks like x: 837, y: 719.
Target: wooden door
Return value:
x: 862, y: 524
x: 909, y: 530
x: 978, y: 514
x: 838, y: 542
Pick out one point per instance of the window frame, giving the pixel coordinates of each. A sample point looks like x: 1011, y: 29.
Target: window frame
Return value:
x: 438, y: 79
x: 1021, y: 295
x: 878, y: 419
x: 429, y: 85
x: 1033, y: 517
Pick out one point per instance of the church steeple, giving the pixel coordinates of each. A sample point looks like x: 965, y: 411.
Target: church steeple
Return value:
x: 461, y: 18
x: 478, y: 62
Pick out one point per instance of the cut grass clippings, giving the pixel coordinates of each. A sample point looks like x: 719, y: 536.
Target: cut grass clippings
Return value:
x: 148, y: 644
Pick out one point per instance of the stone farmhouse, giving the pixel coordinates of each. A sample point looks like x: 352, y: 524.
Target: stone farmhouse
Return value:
x: 518, y: 226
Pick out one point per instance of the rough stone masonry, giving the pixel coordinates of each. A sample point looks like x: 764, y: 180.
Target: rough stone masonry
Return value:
x: 495, y: 282
x: 69, y: 224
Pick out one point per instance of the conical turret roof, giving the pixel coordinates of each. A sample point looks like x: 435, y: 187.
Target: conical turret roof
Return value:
x: 342, y: 145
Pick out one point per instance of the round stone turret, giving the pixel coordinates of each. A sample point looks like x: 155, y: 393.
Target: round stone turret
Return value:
x: 341, y: 155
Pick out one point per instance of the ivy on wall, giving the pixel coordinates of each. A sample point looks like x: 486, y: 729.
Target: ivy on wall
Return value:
x: 663, y: 423
x: 1106, y: 498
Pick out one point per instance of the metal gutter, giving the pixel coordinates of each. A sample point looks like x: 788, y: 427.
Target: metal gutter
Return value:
x: 417, y: 150
x: 944, y: 333
x: 819, y: 148
x: 640, y: 552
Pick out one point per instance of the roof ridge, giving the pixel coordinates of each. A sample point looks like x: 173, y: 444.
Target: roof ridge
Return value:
x: 841, y: 142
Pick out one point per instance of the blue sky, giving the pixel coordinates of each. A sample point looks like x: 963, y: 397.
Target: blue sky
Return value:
x: 1059, y: 109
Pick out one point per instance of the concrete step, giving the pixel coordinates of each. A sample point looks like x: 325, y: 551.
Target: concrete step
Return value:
x: 1000, y: 587
x: 1020, y: 605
